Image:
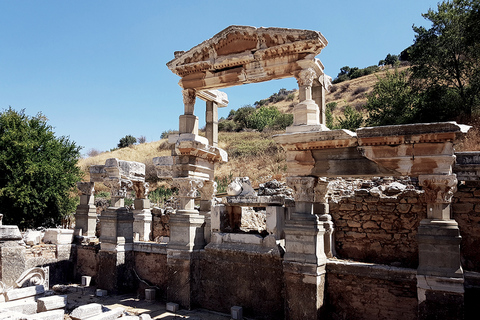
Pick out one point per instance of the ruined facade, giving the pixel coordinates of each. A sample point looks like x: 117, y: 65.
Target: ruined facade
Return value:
x: 381, y: 222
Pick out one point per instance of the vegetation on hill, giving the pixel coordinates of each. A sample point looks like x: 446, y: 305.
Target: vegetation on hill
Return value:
x: 38, y: 171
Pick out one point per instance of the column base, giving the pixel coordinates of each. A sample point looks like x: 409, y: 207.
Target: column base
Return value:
x: 440, y: 297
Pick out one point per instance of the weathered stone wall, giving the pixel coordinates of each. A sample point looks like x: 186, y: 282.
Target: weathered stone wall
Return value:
x: 252, y: 280
x: 466, y: 211
x: 87, y: 262
x: 151, y: 268
x: 356, y: 291
x: 377, y: 221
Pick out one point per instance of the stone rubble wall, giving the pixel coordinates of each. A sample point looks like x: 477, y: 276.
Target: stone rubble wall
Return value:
x: 466, y: 211
x: 377, y: 221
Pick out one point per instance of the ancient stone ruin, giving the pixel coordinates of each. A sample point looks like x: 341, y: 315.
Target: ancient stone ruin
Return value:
x: 374, y: 224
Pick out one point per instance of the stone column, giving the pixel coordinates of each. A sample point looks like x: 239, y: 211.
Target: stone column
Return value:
x: 318, y: 95
x: 322, y: 210
x: 439, y: 276
x: 304, y: 259
x: 207, y: 203
x: 188, y: 121
x: 186, y: 237
x: 142, y: 215
x: 306, y: 112
x: 211, y: 126
x: 86, y: 213
x: 116, y: 241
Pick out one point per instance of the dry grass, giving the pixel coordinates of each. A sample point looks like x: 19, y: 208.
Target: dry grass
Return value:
x: 471, y: 141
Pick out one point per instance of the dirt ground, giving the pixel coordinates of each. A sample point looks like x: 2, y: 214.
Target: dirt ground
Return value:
x: 78, y: 296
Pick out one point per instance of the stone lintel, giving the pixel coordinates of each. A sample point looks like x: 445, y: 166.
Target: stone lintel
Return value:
x: 217, y: 96
x: 371, y: 270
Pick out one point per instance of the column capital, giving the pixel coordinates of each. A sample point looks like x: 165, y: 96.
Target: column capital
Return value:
x: 187, y: 187
x: 306, y: 77
x: 438, y: 188
x: 118, y: 187
x: 189, y: 96
x: 303, y: 188
x: 321, y: 190
x: 141, y: 189
x: 86, y: 188
x: 208, y: 190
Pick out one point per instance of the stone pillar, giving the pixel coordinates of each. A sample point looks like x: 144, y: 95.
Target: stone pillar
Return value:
x: 142, y: 215
x: 306, y: 112
x: 304, y: 259
x: 318, y: 95
x: 211, y: 126
x: 440, y: 280
x: 86, y: 214
x: 322, y: 210
x: 207, y: 203
x: 188, y: 121
x: 186, y: 237
x: 116, y: 241
x: 13, y: 258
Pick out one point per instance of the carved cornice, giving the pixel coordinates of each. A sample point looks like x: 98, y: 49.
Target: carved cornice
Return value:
x: 303, y: 188
x: 438, y: 188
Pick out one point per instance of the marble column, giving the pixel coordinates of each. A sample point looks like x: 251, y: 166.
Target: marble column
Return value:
x: 207, y: 203
x: 306, y: 112
x: 440, y: 279
x: 211, y: 126
x: 142, y: 214
x: 86, y: 213
x: 116, y: 241
x: 186, y: 238
x: 322, y: 210
x: 304, y: 259
x: 188, y: 121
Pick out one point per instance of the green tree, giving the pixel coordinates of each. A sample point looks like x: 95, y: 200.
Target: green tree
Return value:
x: 392, y: 101
x: 38, y: 171
x: 263, y: 117
x: 241, y: 116
x: 446, y: 56
x: 127, y: 141
x: 351, y: 120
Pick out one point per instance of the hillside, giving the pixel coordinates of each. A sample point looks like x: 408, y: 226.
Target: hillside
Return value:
x: 255, y: 154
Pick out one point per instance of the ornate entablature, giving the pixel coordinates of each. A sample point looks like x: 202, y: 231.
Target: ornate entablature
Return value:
x: 243, y: 54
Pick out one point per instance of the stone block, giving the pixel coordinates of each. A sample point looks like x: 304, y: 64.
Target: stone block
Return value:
x: 145, y: 316
x: 58, y: 236
x: 101, y: 293
x: 150, y: 295
x: 86, y: 311
x: 32, y: 237
x: 22, y: 293
x: 109, y: 315
x: 275, y: 221
x: 23, y: 306
x: 64, y: 251
x: 49, y: 315
x: 9, y: 233
x: 236, y: 313
x: 86, y: 281
x: 172, y: 307
x: 51, y: 303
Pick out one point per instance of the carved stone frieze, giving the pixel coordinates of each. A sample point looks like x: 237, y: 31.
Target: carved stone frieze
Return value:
x: 438, y: 188
x: 303, y: 188
x: 86, y: 188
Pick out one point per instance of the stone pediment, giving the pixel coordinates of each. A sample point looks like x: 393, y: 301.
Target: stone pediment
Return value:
x: 243, y: 54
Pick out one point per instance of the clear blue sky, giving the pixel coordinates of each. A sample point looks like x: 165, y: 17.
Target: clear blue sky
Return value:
x: 96, y: 68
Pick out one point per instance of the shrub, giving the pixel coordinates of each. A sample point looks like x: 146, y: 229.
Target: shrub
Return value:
x: 351, y: 119
x: 127, y: 141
